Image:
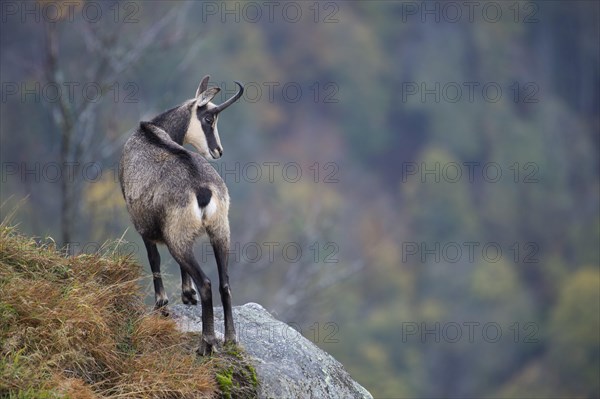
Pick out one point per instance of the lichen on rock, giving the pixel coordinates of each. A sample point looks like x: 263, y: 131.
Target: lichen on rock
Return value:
x: 287, y: 364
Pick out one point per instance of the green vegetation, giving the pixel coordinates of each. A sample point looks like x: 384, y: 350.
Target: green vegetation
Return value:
x: 236, y: 376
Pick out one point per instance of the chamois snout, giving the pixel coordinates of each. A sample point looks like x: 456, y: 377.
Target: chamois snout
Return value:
x: 217, y: 153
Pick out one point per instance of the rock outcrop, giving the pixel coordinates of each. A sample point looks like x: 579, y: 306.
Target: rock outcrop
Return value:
x: 287, y: 364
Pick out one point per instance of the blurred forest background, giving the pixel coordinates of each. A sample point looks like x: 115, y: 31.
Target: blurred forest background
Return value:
x: 442, y: 238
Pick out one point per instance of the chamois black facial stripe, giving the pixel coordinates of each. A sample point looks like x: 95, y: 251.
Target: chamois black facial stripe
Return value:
x: 209, y: 132
x: 207, y: 128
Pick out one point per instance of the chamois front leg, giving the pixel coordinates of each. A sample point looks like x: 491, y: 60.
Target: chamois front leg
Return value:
x: 188, y: 293
x: 189, y: 264
x: 160, y: 297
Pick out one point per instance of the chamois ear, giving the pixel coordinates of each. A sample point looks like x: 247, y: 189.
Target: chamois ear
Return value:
x: 207, y: 95
x: 203, y: 85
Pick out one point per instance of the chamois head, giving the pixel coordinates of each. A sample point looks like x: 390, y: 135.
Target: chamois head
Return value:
x: 202, y: 132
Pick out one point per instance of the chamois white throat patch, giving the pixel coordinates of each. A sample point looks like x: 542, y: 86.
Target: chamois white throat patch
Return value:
x: 195, y: 135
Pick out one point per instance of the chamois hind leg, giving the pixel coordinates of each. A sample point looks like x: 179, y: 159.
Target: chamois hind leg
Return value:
x: 188, y: 293
x: 187, y: 262
x: 220, y: 243
x: 160, y: 297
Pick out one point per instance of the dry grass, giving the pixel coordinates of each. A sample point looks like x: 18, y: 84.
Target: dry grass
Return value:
x: 76, y: 327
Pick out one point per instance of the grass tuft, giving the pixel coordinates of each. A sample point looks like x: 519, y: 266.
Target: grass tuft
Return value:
x: 76, y: 327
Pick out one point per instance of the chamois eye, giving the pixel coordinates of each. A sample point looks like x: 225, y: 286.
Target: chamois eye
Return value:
x: 208, y: 119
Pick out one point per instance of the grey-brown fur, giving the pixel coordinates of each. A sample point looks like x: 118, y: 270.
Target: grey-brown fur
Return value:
x: 174, y: 196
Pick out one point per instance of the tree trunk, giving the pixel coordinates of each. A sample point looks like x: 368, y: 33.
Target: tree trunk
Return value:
x: 64, y: 121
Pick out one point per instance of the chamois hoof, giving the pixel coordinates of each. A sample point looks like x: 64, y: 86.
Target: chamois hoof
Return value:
x: 188, y: 297
x: 230, y: 340
x: 206, y: 348
x: 161, y: 305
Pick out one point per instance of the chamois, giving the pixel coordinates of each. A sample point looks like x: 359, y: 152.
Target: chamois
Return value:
x: 174, y: 196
